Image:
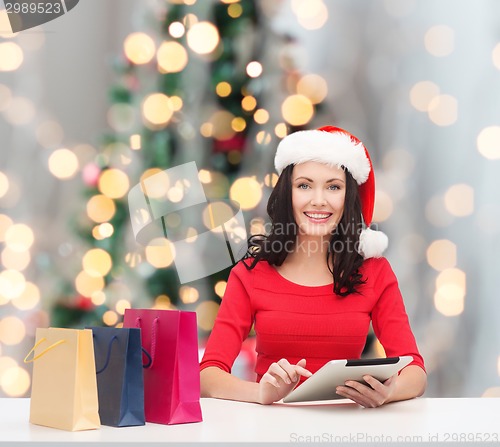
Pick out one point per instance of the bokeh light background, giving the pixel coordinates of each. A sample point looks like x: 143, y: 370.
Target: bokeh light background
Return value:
x: 417, y: 81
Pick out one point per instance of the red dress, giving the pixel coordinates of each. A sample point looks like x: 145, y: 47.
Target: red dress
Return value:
x: 293, y: 321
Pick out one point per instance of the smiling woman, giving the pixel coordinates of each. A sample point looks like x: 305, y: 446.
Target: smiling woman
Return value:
x: 311, y: 287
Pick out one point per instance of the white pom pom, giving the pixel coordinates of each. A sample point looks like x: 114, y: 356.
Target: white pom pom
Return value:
x: 372, y: 243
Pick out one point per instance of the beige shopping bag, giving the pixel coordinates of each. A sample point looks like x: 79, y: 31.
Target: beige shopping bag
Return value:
x: 64, y: 385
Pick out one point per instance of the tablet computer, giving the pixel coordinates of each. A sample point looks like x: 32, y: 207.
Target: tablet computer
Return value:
x: 322, y: 384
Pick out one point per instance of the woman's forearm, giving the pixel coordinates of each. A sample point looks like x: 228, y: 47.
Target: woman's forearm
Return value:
x: 411, y: 383
x: 219, y: 384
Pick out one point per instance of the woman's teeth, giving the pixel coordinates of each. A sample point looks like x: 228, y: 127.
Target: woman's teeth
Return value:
x: 317, y: 215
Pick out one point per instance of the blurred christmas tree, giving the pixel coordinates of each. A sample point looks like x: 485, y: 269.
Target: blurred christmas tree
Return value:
x: 216, y: 85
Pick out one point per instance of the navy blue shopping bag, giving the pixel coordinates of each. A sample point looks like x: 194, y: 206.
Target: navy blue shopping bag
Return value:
x: 120, y: 382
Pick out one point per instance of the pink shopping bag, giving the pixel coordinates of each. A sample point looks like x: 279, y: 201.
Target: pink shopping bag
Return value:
x: 172, y: 380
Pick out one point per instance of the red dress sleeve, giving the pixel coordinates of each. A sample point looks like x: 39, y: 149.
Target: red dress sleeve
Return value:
x: 389, y: 318
x: 233, y: 323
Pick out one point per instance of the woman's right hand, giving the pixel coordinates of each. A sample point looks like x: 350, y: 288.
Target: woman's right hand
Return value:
x: 280, y: 379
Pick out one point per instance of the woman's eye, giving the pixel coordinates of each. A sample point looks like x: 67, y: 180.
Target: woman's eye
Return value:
x: 303, y: 186
x: 334, y: 187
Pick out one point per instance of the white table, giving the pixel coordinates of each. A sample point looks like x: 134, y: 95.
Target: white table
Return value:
x: 418, y: 420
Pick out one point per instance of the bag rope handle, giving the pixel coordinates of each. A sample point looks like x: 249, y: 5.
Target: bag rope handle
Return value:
x: 150, y: 361
x: 108, y: 357
x: 57, y: 343
x: 154, y: 327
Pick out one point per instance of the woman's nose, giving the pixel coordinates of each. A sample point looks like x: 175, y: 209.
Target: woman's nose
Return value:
x: 318, y: 198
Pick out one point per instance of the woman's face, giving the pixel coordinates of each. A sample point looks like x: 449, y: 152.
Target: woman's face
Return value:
x: 318, y: 195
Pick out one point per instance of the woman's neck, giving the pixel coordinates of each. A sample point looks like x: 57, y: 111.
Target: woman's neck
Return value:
x: 307, y: 263
x: 310, y: 252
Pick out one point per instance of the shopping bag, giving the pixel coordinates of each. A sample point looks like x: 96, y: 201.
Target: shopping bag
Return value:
x: 120, y: 383
x: 172, y: 381
x: 64, y: 385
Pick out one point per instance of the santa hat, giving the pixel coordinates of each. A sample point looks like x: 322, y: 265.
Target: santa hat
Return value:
x: 337, y: 147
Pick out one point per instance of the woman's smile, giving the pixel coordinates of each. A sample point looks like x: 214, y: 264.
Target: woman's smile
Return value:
x: 316, y: 217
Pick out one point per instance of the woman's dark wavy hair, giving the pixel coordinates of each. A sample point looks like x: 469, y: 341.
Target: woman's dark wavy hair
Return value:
x: 282, y: 238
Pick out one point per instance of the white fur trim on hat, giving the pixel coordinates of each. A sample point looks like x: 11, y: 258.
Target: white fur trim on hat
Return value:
x: 372, y: 243
x: 333, y: 148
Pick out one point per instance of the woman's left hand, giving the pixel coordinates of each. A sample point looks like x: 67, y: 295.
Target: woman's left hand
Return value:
x: 372, y: 395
